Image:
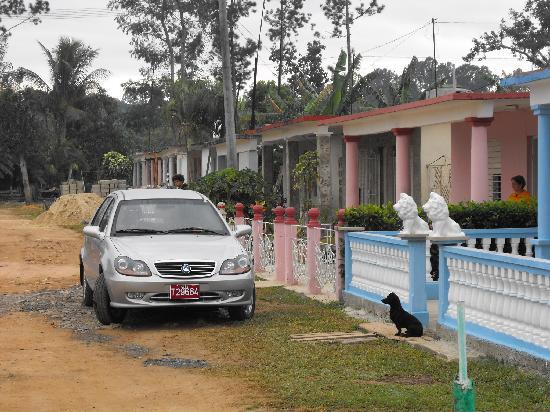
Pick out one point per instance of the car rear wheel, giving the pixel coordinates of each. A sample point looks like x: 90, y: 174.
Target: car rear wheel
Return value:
x: 102, y: 304
x: 243, y: 312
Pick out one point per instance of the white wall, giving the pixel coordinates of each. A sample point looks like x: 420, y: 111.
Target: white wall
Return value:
x: 435, y: 142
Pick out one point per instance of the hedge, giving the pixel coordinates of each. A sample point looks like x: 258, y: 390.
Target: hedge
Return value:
x: 233, y: 186
x: 469, y: 215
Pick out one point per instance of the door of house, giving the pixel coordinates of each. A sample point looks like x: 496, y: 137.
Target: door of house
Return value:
x: 369, y: 177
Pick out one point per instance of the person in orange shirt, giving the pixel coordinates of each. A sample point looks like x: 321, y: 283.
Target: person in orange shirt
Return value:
x: 520, y: 194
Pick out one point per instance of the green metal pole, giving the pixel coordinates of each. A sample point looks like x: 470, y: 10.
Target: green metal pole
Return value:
x: 463, y: 388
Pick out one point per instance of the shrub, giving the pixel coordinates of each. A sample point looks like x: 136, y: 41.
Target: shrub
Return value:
x: 469, y: 215
x: 232, y: 186
x: 116, y: 166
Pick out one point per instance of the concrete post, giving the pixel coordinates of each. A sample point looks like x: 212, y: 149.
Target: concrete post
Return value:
x: 165, y: 171
x: 313, y: 241
x: 279, y: 243
x: 171, y: 168
x: 479, y: 159
x: 352, y: 171
x: 402, y: 161
x: 290, y: 234
x: 151, y: 172
x: 143, y: 169
x: 542, y: 244
x: 418, y: 304
x: 291, y: 158
x: 159, y: 171
x: 134, y: 174
x: 267, y: 165
x: 257, y: 233
x: 339, y: 239
x: 324, y: 184
x: 239, y: 214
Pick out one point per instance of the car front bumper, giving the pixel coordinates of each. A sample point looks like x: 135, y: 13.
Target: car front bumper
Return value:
x: 215, y: 291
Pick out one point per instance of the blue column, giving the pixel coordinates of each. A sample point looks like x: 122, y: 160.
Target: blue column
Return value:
x: 542, y: 245
x: 418, y: 304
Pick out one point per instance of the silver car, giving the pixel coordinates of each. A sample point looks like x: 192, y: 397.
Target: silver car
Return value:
x: 148, y: 248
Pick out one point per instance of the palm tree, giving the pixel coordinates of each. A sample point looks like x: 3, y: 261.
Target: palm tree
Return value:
x: 71, y: 82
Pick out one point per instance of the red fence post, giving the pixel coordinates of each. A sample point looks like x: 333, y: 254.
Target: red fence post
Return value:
x: 290, y: 235
x: 239, y: 214
x: 313, y: 241
x: 279, y: 243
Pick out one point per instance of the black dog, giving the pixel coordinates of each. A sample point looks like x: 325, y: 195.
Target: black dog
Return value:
x: 402, y: 318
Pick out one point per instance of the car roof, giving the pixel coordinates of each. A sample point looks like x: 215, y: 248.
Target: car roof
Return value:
x: 138, y: 194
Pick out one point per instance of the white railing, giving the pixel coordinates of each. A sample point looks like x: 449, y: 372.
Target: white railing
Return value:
x: 379, y: 265
x: 507, y: 299
x: 267, y: 253
x: 325, y: 256
x: 299, y: 254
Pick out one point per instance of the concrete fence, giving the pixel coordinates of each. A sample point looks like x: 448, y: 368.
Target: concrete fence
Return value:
x: 291, y: 253
x: 506, y: 296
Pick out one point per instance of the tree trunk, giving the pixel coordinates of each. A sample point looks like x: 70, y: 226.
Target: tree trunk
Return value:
x: 168, y: 41
x: 25, y: 176
x: 281, y: 45
x: 229, y: 104
x: 234, y: 66
x: 183, y: 46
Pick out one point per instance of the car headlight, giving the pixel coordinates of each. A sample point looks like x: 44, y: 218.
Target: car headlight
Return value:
x: 241, y: 264
x: 130, y: 267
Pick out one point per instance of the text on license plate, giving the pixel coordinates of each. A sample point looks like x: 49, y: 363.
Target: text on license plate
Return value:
x: 184, y: 292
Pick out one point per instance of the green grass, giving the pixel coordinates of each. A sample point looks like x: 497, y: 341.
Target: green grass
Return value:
x: 27, y: 211
x: 377, y: 375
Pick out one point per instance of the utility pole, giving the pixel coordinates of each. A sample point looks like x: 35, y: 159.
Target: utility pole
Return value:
x: 435, y: 61
x: 228, y: 97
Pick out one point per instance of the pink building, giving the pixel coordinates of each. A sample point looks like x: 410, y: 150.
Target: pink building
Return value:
x: 465, y: 146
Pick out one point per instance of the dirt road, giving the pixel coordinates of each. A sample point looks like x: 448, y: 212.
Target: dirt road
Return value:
x: 56, y: 357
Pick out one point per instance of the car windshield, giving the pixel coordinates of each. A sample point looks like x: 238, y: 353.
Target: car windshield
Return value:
x: 166, y: 216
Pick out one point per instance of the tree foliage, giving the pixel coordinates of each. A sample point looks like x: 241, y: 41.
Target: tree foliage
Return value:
x: 525, y: 34
x: 116, y: 166
x: 14, y: 8
x: 284, y: 22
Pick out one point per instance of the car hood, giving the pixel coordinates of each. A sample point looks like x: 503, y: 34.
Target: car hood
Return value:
x: 178, y: 247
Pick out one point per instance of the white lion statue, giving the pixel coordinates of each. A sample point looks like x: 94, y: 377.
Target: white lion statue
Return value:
x: 438, y: 212
x: 408, y: 212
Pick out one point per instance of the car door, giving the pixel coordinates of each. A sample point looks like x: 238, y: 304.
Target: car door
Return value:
x: 94, y: 245
x: 86, y: 255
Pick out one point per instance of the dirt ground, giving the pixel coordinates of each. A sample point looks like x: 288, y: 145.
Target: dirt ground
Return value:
x: 55, y: 357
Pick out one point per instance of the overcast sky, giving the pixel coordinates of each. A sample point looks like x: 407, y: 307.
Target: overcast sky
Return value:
x: 470, y: 18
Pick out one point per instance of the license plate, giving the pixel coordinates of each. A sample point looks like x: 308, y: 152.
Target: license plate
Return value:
x: 184, y: 292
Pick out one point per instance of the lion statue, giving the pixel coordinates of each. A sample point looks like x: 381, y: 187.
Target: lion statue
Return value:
x: 438, y: 212
x: 408, y: 212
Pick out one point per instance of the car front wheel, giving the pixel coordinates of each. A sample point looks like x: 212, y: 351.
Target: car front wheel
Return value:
x: 243, y: 312
x: 102, y: 304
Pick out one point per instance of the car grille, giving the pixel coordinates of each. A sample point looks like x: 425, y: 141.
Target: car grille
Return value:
x: 174, y: 269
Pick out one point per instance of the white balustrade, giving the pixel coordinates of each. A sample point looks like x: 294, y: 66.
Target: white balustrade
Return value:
x: 511, y: 300
x: 380, y: 268
x: 267, y: 254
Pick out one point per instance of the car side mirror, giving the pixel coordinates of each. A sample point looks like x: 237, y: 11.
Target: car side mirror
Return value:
x: 93, y: 231
x: 242, y: 230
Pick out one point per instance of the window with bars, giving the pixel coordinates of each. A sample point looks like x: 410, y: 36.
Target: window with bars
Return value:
x: 497, y: 186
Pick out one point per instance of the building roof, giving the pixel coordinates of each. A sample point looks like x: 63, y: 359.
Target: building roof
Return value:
x: 426, y: 103
x: 301, y: 119
x: 525, y: 78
